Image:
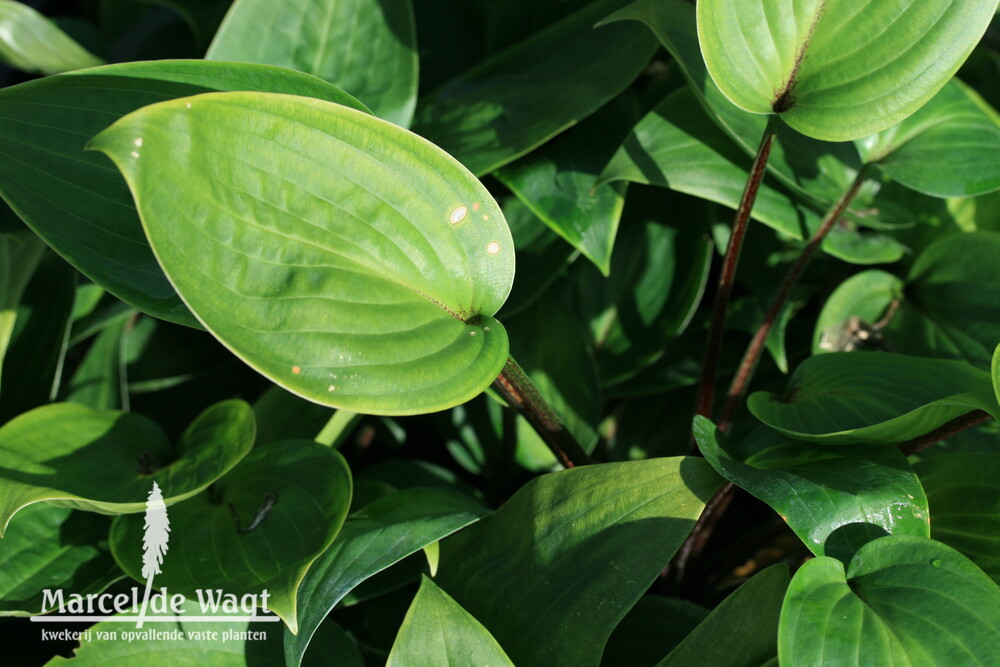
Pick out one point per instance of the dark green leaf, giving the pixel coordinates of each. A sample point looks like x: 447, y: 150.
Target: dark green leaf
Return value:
x: 847, y: 398
x: 650, y: 630
x: 99, y: 379
x: 836, y: 499
x: 106, y: 461
x: 554, y: 570
x: 527, y: 94
x: 903, y: 601
x: 855, y: 306
x: 215, y: 544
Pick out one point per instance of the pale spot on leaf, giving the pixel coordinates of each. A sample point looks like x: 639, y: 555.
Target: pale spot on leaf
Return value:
x: 493, y: 247
x: 135, y: 154
x: 138, y: 142
x: 458, y: 215
x: 296, y: 370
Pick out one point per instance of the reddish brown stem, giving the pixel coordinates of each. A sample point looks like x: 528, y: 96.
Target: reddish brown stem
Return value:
x: 747, y: 367
x: 522, y: 395
x: 703, y: 527
x: 955, y: 426
x: 713, y: 346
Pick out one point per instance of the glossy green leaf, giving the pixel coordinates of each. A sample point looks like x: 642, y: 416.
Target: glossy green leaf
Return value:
x: 73, y: 199
x: 559, y: 182
x: 99, y: 380
x: 379, y: 535
x: 366, y: 47
x: 742, y: 630
x: 32, y: 43
x: 554, y: 570
x: 652, y: 628
x: 964, y: 493
x: 856, y: 305
x: 282, y: 415
x: 37, y: 349
x: 657, y: 280
x: 820, y: 171
x: 952, y: 300
x: 515, y: 101
x: 676, y: 146
x: 438, y: 632
x: 836, y: 499
x: 902, y: 601
x: 53, y: 547
x: 19, y: 255
x: 949, y: 148
x: 825, y: 65
x: 343, y: 257
x: 106, y: 461
x: 258, y: 528
x: 873, y: 397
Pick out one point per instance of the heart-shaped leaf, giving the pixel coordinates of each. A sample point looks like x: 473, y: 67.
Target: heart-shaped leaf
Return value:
x: 836, y: 499
x: 438, y: 632
x: 948, y: 148
x: 72, y: 200
x: 365, y: 47
x: 554, y: 570
x: 525, y: 95
x: 846, y: 398
x: 379, y: 535
x: 345, y: 258
x: 53, y: 547
x: 106, y: 461
x: 825, y: 65
x: 906, y: 600
x: 963, y: 489
x: 32, y: 43
x: 742, y: 630
x: 258, y: 528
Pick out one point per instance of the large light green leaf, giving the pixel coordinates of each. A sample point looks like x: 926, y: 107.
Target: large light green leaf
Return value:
x: 846, y: 398
x: 258, y: 528
x: 836, y: 499
x: 527, y: 94
x: 949, y: 148
x: 53, y: 547
x: 903, y: 600
x: 366, y: 47
x: 437, y: 632
x: 677, y: 146
x: 74, y: 200
x: 106, y: 461
x: 346, y: 259
x: 835, y: 70
x: 559, y: 182
x: 554, y: 570
x: 951, y: 307
x: 379, y: 535
x: 742, y: 630
x: 964, y: 493
x: 20, y: 252
x: 32, y: 43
